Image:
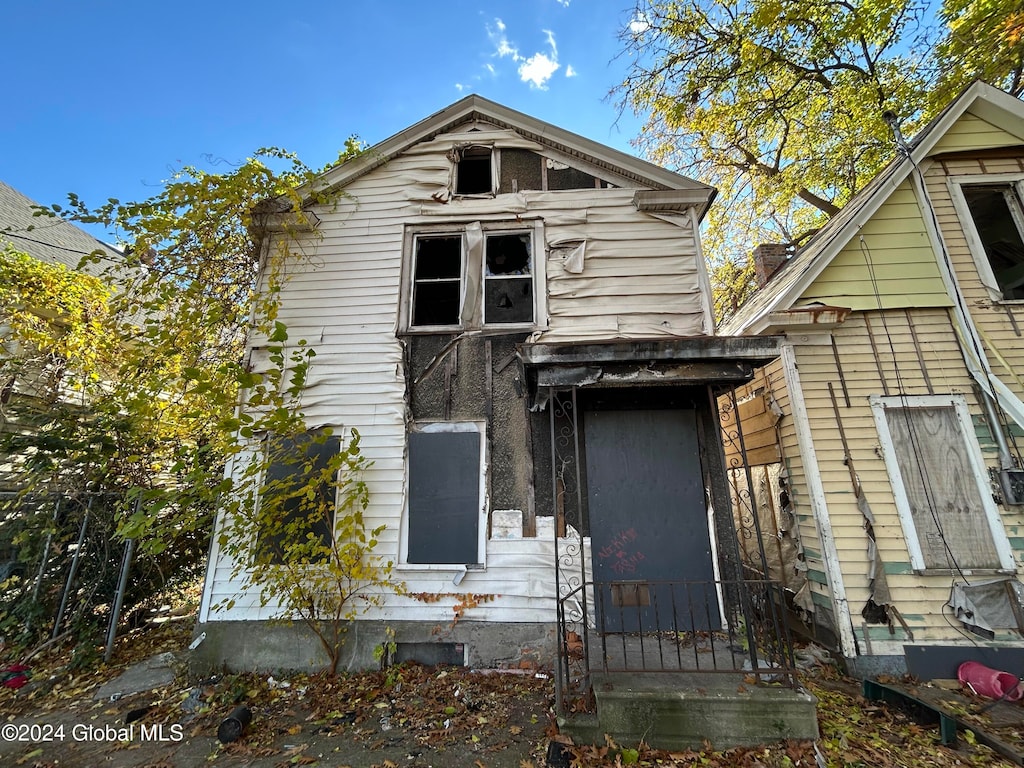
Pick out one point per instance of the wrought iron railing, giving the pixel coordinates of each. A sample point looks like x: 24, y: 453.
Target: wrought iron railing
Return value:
x: 684, y: 627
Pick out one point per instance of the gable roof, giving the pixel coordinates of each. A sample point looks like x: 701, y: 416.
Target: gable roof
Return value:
x: 796, y: 275
x: 476, y: 108
x: 49, y: 239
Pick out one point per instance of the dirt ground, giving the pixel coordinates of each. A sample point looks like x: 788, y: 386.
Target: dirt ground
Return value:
x: 417, y: 716
x: 407, y: 716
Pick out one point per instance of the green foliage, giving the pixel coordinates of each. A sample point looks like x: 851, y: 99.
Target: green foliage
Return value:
x: 145, y: 368
x: 299, y: 537
x: 779, y: 103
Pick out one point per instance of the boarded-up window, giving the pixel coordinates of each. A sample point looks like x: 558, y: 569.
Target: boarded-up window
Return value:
x: 940, y: 484
x: 998, y: 217
x: 289, y: 512
x: 444, y: 497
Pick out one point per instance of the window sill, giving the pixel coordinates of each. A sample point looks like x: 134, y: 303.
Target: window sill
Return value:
x: 450, y: 568
x: 456, y: 330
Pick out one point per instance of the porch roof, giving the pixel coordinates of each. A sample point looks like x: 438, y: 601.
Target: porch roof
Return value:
x: 691, y: 360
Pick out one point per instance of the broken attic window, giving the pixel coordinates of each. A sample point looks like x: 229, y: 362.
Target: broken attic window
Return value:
x: 508, y: 279
x: 473, y: 172
x: 565, y: 177
x: 437, y: 280
x: 999, y: 219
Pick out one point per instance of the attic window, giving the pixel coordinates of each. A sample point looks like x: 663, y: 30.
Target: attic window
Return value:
x: 473, y: 172
x: 998, y: 218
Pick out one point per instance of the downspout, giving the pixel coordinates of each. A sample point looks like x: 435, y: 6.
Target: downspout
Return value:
x: 819, y: 507
x: 974, y: 354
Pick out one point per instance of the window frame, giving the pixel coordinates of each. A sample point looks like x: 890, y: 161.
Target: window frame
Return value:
x: 492, y: 159
x: 970, y: 229
x: 1000, y: 542
x: 428, y: 427
x: 473, y: 278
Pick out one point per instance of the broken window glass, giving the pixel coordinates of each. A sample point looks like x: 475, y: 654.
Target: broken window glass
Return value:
x: 508, y: 279
x: 473, y: 172
x: 437, y: 280
x: 999, y: 219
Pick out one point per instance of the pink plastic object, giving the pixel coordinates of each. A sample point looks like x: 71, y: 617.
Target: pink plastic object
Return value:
x: 989, y: 682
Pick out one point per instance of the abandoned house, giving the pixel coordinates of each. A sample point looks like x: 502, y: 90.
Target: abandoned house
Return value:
x: 884, y: 445
x: 517, y: 320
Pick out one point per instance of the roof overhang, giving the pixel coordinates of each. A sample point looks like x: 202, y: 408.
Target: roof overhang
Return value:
x: 699, y: 360
x: 476, y: 108
x: 980, y: 99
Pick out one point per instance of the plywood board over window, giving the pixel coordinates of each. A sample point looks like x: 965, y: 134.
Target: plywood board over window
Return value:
x: 940, y: 485
x: 446, y: 508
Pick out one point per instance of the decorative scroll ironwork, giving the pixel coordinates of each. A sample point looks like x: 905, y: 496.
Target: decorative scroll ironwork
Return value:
x: 753, y: 639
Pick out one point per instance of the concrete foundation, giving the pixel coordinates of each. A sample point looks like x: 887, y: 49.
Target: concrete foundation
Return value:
x: 263, y: 646
x: 680, y: 711
x: 870, y: 667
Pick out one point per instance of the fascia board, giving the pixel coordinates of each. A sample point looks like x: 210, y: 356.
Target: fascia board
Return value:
x: 979, y: 98
x: 476, y: 107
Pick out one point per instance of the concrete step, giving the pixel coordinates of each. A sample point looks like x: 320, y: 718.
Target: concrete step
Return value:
x: 680, y: 711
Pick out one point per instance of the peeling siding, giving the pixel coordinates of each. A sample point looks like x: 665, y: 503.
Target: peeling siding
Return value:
x: 640, y: 279
x: 897, y: 363
x: 1001, y: 324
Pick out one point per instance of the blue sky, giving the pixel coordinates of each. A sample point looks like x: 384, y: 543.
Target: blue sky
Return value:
x: 106, y: 98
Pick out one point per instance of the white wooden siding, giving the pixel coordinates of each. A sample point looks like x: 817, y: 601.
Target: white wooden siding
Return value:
x: 640, y: 279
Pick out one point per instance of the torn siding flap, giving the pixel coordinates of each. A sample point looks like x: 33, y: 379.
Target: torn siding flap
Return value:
x: 573, y: 262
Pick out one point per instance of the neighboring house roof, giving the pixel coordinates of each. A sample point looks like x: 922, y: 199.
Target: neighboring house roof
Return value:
x: 473, y: 108
x: 797, y: 274
x: 47, y: 238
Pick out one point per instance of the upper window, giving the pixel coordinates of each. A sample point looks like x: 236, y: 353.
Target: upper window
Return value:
x: 939, y: 483
x: 474, y: 171
x: 997, y: 216
x: 483, y: 275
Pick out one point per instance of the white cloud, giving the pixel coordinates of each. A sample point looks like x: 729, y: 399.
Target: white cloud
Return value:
x: 569, y: 71
x: 563, y: 3
x: 639, y: 23
x: 460, y: 87
x: 502, y: 46
x: 536, y: 69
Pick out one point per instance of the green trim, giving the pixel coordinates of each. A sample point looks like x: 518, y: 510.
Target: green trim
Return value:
x: 822, y: 601
x: 818, y: 577
x: 894, y: 568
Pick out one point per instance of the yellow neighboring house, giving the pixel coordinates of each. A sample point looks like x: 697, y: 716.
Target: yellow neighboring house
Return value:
x: 890, y: 430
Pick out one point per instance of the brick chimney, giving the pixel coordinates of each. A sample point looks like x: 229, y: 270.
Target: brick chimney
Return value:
x: 768, y: 257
